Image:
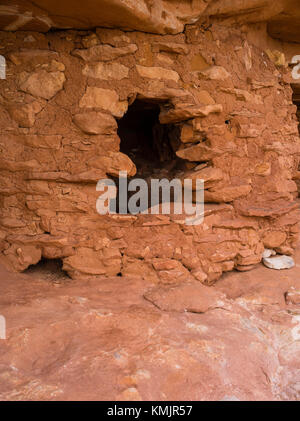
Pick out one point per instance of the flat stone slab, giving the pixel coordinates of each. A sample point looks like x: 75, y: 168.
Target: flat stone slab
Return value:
x: 279, y: 262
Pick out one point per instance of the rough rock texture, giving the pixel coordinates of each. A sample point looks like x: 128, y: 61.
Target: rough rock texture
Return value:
x: 279, y: 262
x: 156, y: 16
x: 122, y: 339
x: 60, y: 105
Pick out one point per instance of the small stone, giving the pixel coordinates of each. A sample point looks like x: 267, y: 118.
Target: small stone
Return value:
x: 90, y: 41
x: 268, y: 253
x: 157, y: 73
x: 204, y: 97
x: 24, y: 114
x: 42, y: 84
x: 29, y: 38
x: 292, y: 296
x: 279, y: 262
x: 95, y: 123
x: 104, y: 52
x: 170, y: 47
x: 32, y: 57
x: 277, y: 57
x: 199, y: 63
x: 105, y: 99
x: 272, y: 239
x: 187, y: 112
x: 106, y: 71
x: 215, y: 73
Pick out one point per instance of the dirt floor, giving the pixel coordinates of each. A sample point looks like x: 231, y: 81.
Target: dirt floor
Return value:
x: 124, y: 339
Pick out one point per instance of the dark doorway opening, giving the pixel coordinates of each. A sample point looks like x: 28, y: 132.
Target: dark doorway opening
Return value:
x: 149, y: 144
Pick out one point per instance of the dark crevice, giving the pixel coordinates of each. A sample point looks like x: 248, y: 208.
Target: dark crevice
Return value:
x: 150, y: 144
x: 48, y: 269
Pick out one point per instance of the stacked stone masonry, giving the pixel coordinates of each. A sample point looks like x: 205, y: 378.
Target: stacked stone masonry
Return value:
x: 60, y: 105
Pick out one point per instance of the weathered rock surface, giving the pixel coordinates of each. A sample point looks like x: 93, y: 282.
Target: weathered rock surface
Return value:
x: 95, y: 123
x: 42, y: 84
x: 61, y: 132
x: 157, y: 73
x: 64, y: 337
x: 105, y: 99
x: 166, y: 16
x: 193, y: 298
x: 105, y: 52
x: 106, y: 71
x: 279, y: 262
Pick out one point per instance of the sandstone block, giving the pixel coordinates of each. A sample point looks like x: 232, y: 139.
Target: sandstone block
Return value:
x: 41, y: 141
x: 199, y: 152
x: 170, y: 47
x: 114, y: 162
x: 186, y: 112
x: 274, y: 239
x: 106, y: 71
x: 203, y: 97
x: 215, y: 73
x: 227, y: 194
x: 209, y: 175
x: 41, y: 83
x: 95, y: 123
x: 105, y: 52
x: 87, y: 261
x: 32, y: 56
x: 277, y: 57
x: 243, y: 95
x: 157, y: 73
x: 24, y: 114
x: 105, y: 99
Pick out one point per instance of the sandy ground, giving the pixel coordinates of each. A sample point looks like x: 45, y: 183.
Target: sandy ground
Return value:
x: 124, y: 339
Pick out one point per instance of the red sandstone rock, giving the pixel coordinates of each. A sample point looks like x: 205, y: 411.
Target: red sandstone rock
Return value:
x: 194, y: 298
x: 95, y: 123
x: 238, y: 134
x: 25, y: 114
x: 42, y: 84
x: 105, y: 99
x: 185, y: 112
x: 104, y: 52
x: 106, y: 71
x: 274, y: 239
x: 216, y: 73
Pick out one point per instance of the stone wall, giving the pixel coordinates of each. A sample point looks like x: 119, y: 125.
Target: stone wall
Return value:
x: 60, y: 105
